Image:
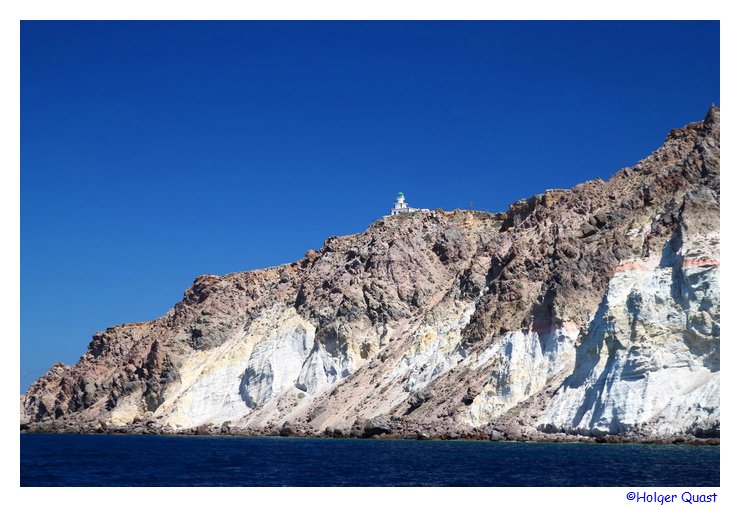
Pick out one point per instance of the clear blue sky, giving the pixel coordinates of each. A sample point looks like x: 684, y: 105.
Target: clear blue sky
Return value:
x: 152, y: 152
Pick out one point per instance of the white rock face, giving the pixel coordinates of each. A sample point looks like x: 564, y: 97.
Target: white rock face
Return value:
x: 255, y: 365
x: 435, y: 348
x: 274, y: 365
x: 128, y: 409
x: 321, y: 369
x: 524, y: 363
x: 650, y: 358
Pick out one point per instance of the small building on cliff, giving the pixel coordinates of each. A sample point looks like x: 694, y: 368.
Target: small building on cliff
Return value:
x: 400, y: 206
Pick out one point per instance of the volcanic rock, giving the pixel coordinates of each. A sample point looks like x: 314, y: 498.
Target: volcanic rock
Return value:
x: 588, y: 312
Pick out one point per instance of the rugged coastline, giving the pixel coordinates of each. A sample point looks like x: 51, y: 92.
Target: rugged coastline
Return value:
x: 589, y: 314
x: 364, y: 431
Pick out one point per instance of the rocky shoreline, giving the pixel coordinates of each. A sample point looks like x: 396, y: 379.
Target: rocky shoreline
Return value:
x: 373, y: 429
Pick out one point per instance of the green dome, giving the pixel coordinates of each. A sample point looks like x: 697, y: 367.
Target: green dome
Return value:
x: 400, y: 194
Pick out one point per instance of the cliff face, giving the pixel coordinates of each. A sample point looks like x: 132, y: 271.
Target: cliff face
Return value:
x: 590, y: 311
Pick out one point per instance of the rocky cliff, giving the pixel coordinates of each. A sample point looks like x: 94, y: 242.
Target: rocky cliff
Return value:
x: 592, y: 312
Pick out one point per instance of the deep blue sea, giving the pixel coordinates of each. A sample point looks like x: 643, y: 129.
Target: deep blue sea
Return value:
x: 143, y: 460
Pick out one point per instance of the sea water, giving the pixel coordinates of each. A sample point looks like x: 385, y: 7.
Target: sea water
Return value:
x: 147, y: 460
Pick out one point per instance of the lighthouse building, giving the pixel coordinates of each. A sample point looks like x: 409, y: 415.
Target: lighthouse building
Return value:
x: 400, y: 206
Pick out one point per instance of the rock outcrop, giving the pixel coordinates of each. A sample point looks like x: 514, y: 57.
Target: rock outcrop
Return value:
x: 590, y: 312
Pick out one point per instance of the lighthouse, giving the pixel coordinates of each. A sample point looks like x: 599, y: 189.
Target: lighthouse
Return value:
x: 400, y: 206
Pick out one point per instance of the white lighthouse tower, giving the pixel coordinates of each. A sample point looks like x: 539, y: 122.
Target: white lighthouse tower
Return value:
x: 400, y: 205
